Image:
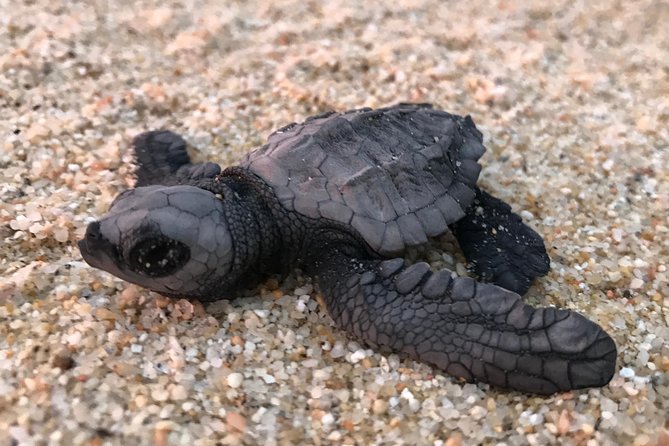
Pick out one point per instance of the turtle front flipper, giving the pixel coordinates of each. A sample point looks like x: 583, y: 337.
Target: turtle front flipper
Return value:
x: 162, y: 159
x: 500, y: 247
x: 476, y: 331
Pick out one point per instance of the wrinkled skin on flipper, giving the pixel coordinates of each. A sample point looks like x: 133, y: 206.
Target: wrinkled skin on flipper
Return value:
x: 475, y: 331
x: 499, y: 246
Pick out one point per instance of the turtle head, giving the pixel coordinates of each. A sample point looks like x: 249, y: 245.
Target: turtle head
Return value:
x: 170, y: 239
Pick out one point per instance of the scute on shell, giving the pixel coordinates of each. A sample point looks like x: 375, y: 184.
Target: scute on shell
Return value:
x: 398, y: 175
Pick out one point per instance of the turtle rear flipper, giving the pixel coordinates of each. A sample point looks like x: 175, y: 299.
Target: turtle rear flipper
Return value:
x: 162, y: 158
x: 499, y: 246
x: 471, y: 330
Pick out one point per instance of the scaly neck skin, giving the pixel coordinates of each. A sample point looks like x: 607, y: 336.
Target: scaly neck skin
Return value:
x: 268, y: 239
x: 256, y: 238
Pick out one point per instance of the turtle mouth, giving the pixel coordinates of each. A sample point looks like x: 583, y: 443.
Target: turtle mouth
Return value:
x: 95, y: 248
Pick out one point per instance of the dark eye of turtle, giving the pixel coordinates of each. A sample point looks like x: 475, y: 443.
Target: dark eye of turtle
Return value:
x: 158, y: 256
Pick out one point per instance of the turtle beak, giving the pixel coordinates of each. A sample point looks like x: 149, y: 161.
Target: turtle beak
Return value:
x: 94, y: 248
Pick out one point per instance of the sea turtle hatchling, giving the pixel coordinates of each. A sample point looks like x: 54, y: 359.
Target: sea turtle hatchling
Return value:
x: 341, y: 196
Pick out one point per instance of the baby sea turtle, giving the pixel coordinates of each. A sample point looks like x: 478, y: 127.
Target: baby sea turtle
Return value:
x: 341, y: 196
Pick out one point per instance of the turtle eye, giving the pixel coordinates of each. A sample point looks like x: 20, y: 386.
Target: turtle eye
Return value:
x: 158, y: 256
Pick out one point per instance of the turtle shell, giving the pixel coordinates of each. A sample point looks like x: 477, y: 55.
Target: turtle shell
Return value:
x: 397, y: 175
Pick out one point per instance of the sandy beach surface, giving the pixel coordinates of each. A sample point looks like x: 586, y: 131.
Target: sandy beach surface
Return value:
x: 573, y: 101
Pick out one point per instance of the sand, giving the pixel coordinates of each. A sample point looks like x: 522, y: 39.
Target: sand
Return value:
x: 573, y: 101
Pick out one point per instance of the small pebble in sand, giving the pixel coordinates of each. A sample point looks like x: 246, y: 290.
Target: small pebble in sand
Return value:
x: 235, y: 380
x: 636, y: 283
x: 626, y: 372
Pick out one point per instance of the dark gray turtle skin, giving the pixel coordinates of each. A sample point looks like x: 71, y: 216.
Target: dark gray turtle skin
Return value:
x: 340, y: 196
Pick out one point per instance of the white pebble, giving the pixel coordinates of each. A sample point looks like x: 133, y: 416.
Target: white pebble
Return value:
x: 261, y: 313
x: 358, y: 356
x: 21, y: 223
x: 636, y: 283
x: 478, y: 412
x: 55, y: 437
x: 136, y: 348
x: 406, y: 394
x: 639, y: 263
x: 256, y: 417
x: 536, y: 419
x: 327, y: 419
x: 527, y: 215
x: 626, y: 372
x: 73, y: 338
x: 235, y: 380
x: 187, y: 406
